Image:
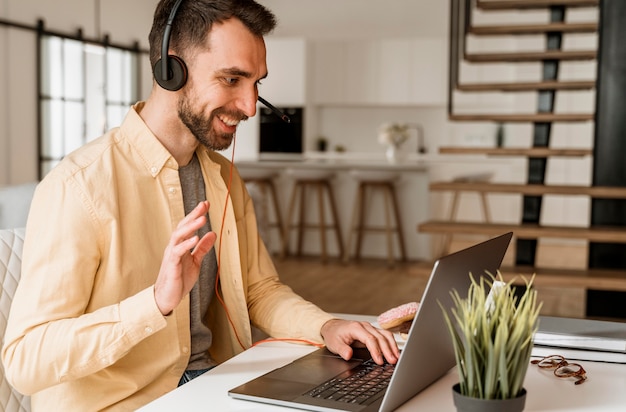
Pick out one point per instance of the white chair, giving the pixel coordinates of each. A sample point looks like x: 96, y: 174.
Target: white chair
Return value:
x: 11, y: 243
x: 15, y: 204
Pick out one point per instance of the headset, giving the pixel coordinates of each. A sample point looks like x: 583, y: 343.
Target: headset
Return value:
x: 170, y: 71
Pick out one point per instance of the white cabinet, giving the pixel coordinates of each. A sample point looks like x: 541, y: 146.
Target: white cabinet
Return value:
x: 285, y: 84
x: 329, y: 66
x: 406, y: 71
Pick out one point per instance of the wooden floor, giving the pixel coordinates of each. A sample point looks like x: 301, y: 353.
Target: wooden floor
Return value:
x: 370, y: 287
x: 366, y: 288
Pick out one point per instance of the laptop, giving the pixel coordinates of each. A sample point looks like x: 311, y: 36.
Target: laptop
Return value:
x: 309, y: 382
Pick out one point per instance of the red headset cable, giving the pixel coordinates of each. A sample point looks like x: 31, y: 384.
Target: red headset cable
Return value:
x: 219, y: 249
x: 217, y: 277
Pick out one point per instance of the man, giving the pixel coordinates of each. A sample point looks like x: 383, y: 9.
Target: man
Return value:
x: 142, y: 263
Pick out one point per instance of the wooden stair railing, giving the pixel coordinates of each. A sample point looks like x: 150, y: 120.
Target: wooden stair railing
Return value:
x: 606, y: 234
x: 532, y: 4
x: 550, y: 56
x: 536, y: 152
x: 529, y: 231
x: 530, y: 56
x: 595, y: 192
x: 598, y: 279
x: 534, y: 29
x: 524, y: 118
x: 527, y: 86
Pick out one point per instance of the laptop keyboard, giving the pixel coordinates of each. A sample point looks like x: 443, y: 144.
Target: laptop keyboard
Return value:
x: 359, y: 385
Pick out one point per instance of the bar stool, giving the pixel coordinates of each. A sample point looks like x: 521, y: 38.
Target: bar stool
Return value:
x: 264, y: 180
x: 317, y: 182
x: 371, y: 182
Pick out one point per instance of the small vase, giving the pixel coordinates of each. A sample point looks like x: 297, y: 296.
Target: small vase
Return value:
x: 395, y: 154
x: 468, y: 404
x: 391, y: 153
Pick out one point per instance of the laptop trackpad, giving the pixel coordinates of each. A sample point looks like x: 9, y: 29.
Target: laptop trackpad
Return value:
x: 314, y: 368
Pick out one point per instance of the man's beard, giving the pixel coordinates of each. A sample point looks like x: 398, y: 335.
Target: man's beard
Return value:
x: 202, y: 127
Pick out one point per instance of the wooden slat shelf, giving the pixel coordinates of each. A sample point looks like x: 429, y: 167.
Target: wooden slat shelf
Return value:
x: 523, y: 118
x: 532, y: 4
x: 596, y: 279
x: 512, y: 151
x: 527, y: 86
x: 596, y: 192
x: 607, y: 234
x: 533, y: 56
x: 523, y: 29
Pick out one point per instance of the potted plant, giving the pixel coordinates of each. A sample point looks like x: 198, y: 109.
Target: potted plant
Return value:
x: 493, y: 339
x: 321, y: 144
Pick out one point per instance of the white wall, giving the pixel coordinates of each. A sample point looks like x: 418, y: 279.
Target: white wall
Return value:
x: 421, y: 29
x: 124, y: 21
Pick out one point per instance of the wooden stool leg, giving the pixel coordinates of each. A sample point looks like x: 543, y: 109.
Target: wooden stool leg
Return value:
x: 361, y: 220
x: 447, y: 238
x: 302, y: 218
x: 288, y: 224
x: 399, y: 227
x: 277, y: 211
x: 322, y: 220
x: 356, y: 210
x: 388, y: 225
x: 486, y: 212
x: 333, y: 211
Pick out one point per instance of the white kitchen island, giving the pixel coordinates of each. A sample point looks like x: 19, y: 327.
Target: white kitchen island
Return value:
x: 415, y: 202
x: 411, y: 186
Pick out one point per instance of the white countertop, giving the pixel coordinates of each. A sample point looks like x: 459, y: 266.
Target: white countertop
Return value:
x: 372, y: 161
x: 334, y: 164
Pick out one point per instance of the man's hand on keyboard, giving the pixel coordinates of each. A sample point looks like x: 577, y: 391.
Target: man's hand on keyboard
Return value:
x: 339, y: 335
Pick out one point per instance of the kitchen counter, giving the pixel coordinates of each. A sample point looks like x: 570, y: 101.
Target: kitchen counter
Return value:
x: 411, y: 183
x: 337, y: 164
x: 373, y: 161
x: 412, y: 176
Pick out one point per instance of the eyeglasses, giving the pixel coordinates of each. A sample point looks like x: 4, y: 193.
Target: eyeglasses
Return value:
x: 562, y: 368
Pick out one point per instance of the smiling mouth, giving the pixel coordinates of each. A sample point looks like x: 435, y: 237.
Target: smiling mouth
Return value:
x: 229, y: 121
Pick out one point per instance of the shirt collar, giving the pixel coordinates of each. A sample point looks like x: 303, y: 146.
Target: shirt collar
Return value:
x: 154, y: 155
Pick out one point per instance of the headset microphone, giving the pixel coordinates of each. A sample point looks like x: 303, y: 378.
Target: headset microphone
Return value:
x: 274, y: 110
x: 170, y: 72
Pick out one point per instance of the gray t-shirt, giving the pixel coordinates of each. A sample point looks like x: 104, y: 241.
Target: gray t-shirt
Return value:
x: 192, y: 184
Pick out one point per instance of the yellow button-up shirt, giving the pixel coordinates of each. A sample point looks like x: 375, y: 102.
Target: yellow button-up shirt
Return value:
x: 84, y: 331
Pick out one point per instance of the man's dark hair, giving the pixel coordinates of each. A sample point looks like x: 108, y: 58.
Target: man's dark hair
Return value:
x: 195, y: 18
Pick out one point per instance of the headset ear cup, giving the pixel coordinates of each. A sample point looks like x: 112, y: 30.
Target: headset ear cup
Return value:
x: 177, y: 73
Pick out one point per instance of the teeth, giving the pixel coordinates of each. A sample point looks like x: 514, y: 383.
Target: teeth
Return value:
x: 230, y: 122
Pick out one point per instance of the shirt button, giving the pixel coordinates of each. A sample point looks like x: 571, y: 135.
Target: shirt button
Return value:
x: 153, y: 169
x: 185, y: 349
x: 172, y: 190
x: 148, y: 329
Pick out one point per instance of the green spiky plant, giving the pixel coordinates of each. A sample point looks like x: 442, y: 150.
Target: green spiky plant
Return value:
x: 493, y: 338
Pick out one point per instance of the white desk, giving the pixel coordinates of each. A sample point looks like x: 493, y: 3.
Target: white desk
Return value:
x: 605, y: 389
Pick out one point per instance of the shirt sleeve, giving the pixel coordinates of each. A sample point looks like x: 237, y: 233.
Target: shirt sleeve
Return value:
x: 273, y: 306
x: 52, y: 334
